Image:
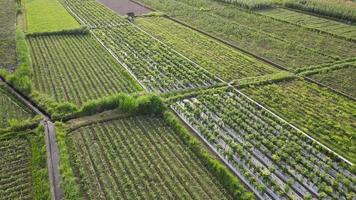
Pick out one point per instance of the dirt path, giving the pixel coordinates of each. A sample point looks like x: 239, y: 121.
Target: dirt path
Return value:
x: 122, y: 7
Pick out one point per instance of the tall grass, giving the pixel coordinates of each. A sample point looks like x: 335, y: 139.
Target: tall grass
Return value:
x: 251, y: 4
x: 340, y: 9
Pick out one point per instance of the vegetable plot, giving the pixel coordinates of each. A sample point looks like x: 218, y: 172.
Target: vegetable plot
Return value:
x: 76, y: 68
x: 227, y: 63
x: 139, y: 157
x: 277, y: 161
x: 313, y: 22
x: 11, y: 109
x: 328, y: 117
x: 158, y: 67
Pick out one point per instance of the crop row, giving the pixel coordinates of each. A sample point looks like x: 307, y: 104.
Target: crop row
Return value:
x: 283, y: 43
x: 313, y: 22
x: 276, y: 160
x: 11, y: 109
x: 327, y: 116
x: 217, y: 58
x: 251, y: 4
x: 139, y: 157
x: 94, y: 14
x: 76, y: 68
x: 15, y: 169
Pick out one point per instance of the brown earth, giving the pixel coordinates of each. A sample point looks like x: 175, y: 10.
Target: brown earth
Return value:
x: 122, y: 7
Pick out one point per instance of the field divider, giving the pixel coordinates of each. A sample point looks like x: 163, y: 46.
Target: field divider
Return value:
x: 212, y: 148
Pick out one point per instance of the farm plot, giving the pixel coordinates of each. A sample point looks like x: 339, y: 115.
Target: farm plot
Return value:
x: 7, y: 34
x: 217, y: 58
x: 76, y: 68
x: 323, y: 114
x: 156, y: 65
x: 313, y: 22
x: 277, y: 161
x: 47, y: 16
x: 122, y: 7
x: 283, y: 43
x: 93, y: 14
x: 139, y: 157
x: 343, y: 79
x: 11, y: 109
x: 23, y: 172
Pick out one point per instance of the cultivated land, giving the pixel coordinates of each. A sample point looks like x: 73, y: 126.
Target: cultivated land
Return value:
x: 7, y: 34
x: 139, y: 157
x: 152, y: 108
x: 217, y: 58
x: 23, y: 166
x: 11, y: 109
x: 47, y: 16
x: 327, y: 116
x: 76, y: 68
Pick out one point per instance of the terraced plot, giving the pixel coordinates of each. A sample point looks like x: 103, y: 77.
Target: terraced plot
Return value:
x: 11, y: 109
x: 214, y: 56
x: 327, y: 116
x: 277, y: 161
x: 76, y: 68
x: 23, y: 173
x: 7, y: 34
x: 283, y: 43
x: 313, y: 22
x: 139, y: 157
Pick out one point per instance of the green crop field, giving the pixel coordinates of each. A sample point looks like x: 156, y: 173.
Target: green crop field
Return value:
x: 7, y: 34
x: 139, y: 157
x: 76, y: 68
x: 178, y: 99
x: 23, y: 166
x: 11, y: 109
x: 216, y: 57
x: 316, y: 110
x: 48, y: 16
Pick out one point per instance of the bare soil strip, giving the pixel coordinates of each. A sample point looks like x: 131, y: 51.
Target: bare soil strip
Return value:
x: 122, y: 7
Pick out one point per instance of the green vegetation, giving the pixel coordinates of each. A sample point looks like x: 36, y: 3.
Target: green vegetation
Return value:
x: 340, y: 9
x: 219, y: 59
x: 283, y: 43
x: 267, y: 153
x: 75, y: 68
x: 7, y: 34
x: 312, y: 22
x: 328, y: 117
x: 12, y: 111
x: 252, y: 4
x: 47, y: 16
x: 138, y: 157
x: 23, y: 166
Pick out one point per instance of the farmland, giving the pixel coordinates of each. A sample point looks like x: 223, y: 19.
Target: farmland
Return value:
x: 11, y: 109
x: 66, y: 74
x: 7, y: 34
x: 275, y: 159
x: 23, y: 166
x: 217, y: 58
x: 203, y: 99
x: 47, y: 16
x: 139, y: 157
x: 325, y: 115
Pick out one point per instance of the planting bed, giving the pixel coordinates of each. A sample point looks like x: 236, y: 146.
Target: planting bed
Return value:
x: 76, y: 68
x: 7, y: 34
x: 217, y: 58
x: 11, y: 108
x: 313, y: 22
x: 122, y: 7
x: 275, y: 159
x: 327, y: 116
x: 283, y: 43
x: 138, y: 157
x: 23, y: 172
